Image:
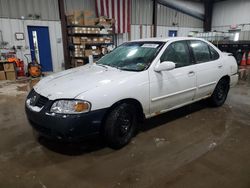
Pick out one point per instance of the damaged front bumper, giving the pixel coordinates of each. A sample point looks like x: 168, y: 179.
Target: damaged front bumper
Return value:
x: 64, y: 126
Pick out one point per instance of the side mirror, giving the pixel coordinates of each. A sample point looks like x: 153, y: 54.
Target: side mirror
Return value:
x: 164, y: 66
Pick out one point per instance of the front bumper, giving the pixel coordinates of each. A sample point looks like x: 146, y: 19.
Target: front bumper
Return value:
x: 65, y: 127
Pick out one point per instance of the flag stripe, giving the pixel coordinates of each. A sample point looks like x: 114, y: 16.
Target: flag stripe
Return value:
x: 113, y: 8
x: 123, y: 12
x: 118, y: 16
x: 128, y: 15
x: 125, y: 28
x: 107, y: 4
x: 102, y: 8
x: 116, y: 9
x: 96, y: 8
x: 110, y: 9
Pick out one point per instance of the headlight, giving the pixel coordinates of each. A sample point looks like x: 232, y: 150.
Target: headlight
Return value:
x: 70, y: 107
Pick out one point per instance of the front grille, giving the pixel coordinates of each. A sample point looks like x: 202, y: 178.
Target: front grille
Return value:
x: 41, y: 101
x: 36, y: 99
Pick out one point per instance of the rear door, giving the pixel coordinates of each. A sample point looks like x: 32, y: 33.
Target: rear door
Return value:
x: 208, y: 67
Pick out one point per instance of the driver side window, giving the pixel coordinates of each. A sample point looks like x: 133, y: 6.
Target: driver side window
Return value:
x: 178, y: 53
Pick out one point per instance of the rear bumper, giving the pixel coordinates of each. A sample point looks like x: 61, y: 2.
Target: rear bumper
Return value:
x: 66, y: 127
x: 234, y: 79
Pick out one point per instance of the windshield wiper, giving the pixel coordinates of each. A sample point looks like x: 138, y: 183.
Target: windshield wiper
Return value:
x: 127, y: 69
x: 105, y: 66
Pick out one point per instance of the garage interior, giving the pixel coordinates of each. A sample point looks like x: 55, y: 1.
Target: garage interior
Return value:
x: 194, y: 146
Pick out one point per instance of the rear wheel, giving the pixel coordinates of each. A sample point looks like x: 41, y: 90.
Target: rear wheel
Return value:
x: 120, y: 125
x: 219, y: 95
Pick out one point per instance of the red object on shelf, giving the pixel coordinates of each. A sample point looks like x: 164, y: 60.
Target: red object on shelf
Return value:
x: 19, y: 66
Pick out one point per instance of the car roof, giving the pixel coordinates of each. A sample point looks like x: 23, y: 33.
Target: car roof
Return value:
x: 162, y: 39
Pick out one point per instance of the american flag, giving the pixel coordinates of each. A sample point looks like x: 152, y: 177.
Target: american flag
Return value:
x: 118, y: 10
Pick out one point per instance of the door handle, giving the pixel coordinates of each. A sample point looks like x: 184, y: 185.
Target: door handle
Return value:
x: 220, y: 66
x: 191, y: 73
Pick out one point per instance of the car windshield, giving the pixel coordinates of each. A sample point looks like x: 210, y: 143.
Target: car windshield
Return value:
x: 132, y: 56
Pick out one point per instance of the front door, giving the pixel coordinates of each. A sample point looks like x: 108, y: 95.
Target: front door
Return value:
x: 40, y: 47
x: 173, y: 88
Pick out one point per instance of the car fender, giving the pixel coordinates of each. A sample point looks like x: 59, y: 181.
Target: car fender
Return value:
x: 134, y: 87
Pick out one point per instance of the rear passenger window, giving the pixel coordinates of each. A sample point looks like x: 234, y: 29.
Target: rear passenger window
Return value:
x: 201, y: 51
x: 178, y: 53
x: 214, y: 53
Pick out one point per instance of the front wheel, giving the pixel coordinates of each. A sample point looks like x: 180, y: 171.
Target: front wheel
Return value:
x: 120, y: 125
x: 219, y: 95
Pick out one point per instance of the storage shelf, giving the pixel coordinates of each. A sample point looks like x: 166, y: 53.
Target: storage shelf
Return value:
x: 90, y: 34
x: 85, y: 57
x: 85, y: 26
x: 88, y: 45
x: 92, y: 44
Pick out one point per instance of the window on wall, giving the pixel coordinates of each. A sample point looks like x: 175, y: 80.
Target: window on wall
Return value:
x: 172, y: 33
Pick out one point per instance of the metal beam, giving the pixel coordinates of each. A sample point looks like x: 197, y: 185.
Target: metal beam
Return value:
x: 181, y: 6
x: 64, y: 33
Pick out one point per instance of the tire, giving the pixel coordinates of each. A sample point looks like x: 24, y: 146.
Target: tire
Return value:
x: 120, y: 126
x: 219, y: 95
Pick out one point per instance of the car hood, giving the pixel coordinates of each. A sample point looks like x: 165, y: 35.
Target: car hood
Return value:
x: 73, y: 82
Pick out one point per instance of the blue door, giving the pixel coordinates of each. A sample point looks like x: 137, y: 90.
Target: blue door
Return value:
x: 40, y: 47
x: 172, y: 33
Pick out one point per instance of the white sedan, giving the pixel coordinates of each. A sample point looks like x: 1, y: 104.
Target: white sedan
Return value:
x: 139, y: 79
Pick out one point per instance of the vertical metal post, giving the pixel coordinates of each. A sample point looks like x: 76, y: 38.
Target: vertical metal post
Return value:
x: 208, y: 7
x: 64, y: 33
x: 155, y: 17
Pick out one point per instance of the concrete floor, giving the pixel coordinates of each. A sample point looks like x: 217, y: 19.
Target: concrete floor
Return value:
x: 195, y: 146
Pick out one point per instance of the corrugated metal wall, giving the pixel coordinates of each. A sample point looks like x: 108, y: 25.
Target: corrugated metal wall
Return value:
x: 47, y: 9
x: 231, y: 12
x: 167, y: 17
x: 142, y: 12
x: 71, y: 5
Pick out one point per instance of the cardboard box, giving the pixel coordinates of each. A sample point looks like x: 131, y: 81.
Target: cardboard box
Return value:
x: 89, y: 40
x: 107, y: 40
x: 2, y: 75
x: 88, y: 14
x: 86, y: 17
x: 88, y: 53
x: 79, y: 62
x: 76, y: 40
x: 9, y: 67
x: 108, y: 22
x: 89, y: 21
x: 78, y: 54
x: 11, y: 75
x: 70, y: 19
x: 96, y: 52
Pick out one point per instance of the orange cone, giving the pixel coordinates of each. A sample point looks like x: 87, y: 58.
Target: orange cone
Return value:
x: 248, y: 58
x: 243, y: 60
